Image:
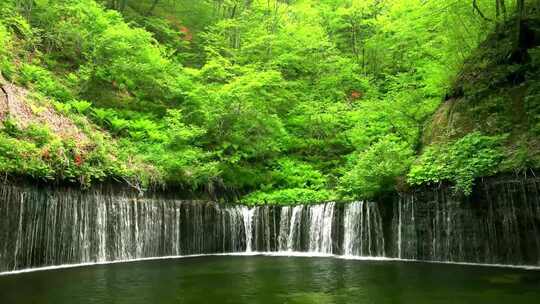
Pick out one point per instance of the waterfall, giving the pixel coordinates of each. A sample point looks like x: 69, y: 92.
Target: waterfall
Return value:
x: 363, y: 233
x: 353, y: 239
x: 293, y: 241
x: 400, y: 250
x: 320, y: 228
x: 40, y: 227
x: 52, y: 226
x: 247, y: 214
x: 499, y: 224
x: 264, y: 222
x: 284, y: 228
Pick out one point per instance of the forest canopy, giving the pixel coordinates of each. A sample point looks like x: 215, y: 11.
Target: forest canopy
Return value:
x: 274, y: 101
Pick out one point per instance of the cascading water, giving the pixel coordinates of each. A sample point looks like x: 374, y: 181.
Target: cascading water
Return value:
x: 45, y: 227
x: 363, y: 232
x: 247, y: 215
x: 320, y: 228
x: 294, y: 227
x: 499, y: 224
x: 284, y: 228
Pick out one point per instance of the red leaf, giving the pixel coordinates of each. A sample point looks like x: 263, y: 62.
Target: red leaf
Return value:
x: 78, y: 160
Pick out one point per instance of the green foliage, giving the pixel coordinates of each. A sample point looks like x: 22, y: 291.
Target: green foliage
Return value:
x: 43, y: 81
x: 376, y: 169
x: 80, y: 106
x: 244, y: 116
x: 35, y: 151
x: 22, y: 157
x: 532, y: 103
x: 289, y: 196
x: 129, y: 60
x: 460, y: 162
x: 285, y: 101
x: 70, y: 28
x: 5, y: 41
x: 166, y: 33
x: 291, y: 173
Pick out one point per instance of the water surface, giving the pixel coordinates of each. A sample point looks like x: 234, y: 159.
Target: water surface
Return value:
x: 263, y: 279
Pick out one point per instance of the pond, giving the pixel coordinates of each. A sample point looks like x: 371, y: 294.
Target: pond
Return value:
x: 268, y: 279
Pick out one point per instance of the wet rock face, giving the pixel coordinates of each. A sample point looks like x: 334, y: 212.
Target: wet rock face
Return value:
x: 42, y: 227
x: 498, y: 224
x: 54, y: 226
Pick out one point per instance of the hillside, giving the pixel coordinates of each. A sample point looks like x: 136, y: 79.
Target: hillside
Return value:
x: 44, y: 140
x: 268, y: 101
x: 490, y: 120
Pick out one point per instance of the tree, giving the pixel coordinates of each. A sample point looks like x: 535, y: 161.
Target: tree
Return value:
x: 152, y: 7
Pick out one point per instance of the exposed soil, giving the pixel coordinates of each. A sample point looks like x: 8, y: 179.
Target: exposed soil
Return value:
x: 16, y: 103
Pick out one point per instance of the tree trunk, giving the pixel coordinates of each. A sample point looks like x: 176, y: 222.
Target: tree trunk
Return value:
x: 477, y: 9
x: 521, y: 8
x: 503, y: 8
x: 123, y: 5
x: 154, y: 4
x: 520, y: 15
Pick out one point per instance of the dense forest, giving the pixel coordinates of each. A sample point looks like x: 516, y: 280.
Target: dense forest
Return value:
x: 269, y: 101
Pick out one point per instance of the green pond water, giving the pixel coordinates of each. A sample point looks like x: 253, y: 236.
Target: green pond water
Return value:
x: 262, y: 279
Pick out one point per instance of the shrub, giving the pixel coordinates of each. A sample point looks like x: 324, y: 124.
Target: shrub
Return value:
x: 289, y: 196
x: 22, y: 158
x: 5, y: 42
x: 291, y: 173
x: 377, y: 168
x: 80, y: 106
x: 44, y: 82
x: 532, y: 105
x: 459, y: 162
x: 129, y: 59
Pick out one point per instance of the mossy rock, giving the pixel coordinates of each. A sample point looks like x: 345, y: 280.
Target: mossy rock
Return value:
x: 497, y: 93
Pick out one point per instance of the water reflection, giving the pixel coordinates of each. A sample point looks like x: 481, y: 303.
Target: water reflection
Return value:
x: 265, y: 280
